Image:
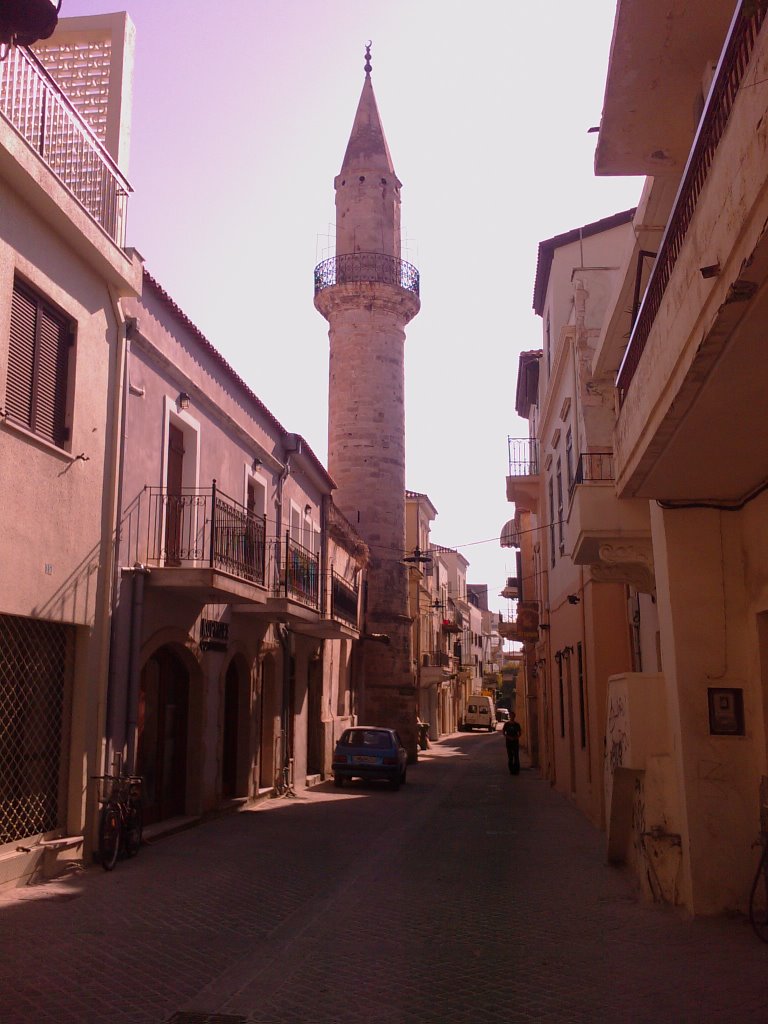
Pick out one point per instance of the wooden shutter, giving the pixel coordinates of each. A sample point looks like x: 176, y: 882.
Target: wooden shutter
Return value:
x: 36, y: 393
x: 21, y: 359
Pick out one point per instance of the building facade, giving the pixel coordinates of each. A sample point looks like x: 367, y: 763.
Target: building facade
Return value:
x: 64, y: 272
x: 574, y: 598
x: 687, y: 736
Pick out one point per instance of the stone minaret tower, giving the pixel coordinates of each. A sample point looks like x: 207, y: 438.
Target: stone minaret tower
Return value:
x: 368, y: 294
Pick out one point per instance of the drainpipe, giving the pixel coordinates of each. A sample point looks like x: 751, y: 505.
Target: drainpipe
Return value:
x: 293, y: 447
x: 140, y: 573
x: 116, y: 687
x: 101, y: 697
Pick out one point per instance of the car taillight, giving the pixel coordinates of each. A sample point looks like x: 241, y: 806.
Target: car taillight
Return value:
x: 389, y: 760
x: 339, y: 759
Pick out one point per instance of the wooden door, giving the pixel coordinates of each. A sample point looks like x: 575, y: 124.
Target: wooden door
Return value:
x: 162, y: 746
x: 174, y: 512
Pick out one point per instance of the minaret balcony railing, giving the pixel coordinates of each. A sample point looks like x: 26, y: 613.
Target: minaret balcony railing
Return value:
x: 374, y: 267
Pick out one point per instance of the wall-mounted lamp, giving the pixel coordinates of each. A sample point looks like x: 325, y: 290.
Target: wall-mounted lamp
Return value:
x: 573, y: 599
x: 256, y: 463
x: 307, y: 509
x: 183, y: 400
x: 543, y: 625
x: 711, y: 271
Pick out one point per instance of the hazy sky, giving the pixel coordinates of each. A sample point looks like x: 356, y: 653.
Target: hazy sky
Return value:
x: 241, y: 115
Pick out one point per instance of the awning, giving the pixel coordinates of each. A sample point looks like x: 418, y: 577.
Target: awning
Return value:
x: 509, y: 538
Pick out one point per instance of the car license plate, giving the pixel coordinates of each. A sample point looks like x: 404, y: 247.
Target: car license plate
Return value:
x: 363, y: 759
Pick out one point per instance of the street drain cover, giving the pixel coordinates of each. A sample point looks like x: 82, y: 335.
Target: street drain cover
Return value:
x: 206, y: 1018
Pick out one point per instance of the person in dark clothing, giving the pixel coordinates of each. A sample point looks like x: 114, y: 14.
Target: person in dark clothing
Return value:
x: 511, y: 733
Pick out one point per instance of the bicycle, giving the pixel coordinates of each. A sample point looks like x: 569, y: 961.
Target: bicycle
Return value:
x: 121, y: 819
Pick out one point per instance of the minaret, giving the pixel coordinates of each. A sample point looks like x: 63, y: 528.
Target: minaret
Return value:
x: 368, y: 294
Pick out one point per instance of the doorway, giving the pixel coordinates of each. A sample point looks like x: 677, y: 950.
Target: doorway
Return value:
x: 230, y: 744
x: 162, y: 741
x: 174, y: 500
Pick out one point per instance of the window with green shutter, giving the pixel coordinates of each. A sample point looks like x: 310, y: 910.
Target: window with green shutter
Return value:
x: 38, y: 358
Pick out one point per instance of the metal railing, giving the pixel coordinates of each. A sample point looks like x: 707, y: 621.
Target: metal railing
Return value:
x: 436, y: 659
x: 523, y: 456
x: 193, y: 528
x: 594, y: 467
x: 366, y: 266
x: 733, y: 64
x: 298, y: 573
x: 43, y: 115
x: 344, y: 600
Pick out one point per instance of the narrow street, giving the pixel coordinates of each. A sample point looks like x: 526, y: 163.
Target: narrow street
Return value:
x: 469, y: 895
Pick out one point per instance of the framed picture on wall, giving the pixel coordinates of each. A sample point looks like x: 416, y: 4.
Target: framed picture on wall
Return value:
x: 726, y: 711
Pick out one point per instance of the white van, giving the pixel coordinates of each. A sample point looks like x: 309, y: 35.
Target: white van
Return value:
x: 479, y: 713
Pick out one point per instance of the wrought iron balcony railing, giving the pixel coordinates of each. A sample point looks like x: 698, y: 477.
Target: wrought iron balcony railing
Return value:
x: 42, y: 114
x: 366, y: 266
x: 297, y: 573
x: 195, y: 528
x: 733, y: 65
x: 523, y: 456
x: 594, y: 467
x: 344, y: 600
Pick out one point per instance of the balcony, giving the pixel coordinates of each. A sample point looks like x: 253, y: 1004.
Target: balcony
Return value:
x: 611, y: 534
x: 337, y: 617
x: 199, y: 542
x: 436, y: 667
x: 525, y: 627
x: 693, y: 354
x: 42, y: 114
x: 369, y: 267
x: 341, y: 282
x: 524, y: 480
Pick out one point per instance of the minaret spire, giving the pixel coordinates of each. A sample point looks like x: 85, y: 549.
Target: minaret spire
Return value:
x: 368, y: 59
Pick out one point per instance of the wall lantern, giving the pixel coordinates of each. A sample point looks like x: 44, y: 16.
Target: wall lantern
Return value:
x: 183, y: 400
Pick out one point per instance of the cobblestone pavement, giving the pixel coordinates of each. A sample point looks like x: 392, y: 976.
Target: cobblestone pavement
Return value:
x: 468, y: 896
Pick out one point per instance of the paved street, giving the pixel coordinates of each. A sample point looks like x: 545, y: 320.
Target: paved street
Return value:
x: 468, y: 896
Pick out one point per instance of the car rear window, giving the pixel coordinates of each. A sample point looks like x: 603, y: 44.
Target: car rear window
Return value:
x: 366, y: 738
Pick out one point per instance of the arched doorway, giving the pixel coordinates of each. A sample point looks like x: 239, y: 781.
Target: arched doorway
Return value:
x: 163, y: 728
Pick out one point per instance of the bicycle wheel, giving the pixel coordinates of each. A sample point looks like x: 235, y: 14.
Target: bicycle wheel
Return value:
x: 133, y: 830
x: 109, y: 836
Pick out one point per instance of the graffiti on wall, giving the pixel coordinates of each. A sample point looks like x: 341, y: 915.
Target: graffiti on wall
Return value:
x: 617, y: 739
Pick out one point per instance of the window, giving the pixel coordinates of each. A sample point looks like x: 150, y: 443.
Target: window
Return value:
x: 552, y: 521
x: 561, y: 694
x: 38, y: 358
x: 560, y: 507
x: 569, y: 458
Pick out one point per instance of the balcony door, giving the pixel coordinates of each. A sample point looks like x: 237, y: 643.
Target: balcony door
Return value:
x: 174, y: 501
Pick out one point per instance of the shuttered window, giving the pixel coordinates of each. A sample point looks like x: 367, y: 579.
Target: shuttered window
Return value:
x: 38, y: 354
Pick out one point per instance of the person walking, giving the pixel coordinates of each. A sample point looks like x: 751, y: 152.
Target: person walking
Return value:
x: 512, y: 732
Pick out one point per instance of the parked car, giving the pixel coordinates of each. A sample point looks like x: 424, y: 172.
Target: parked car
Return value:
x: 502, y: 714
x: 367, y: 752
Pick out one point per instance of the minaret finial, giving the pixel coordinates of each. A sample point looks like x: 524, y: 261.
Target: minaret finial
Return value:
x: 368, y: 59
